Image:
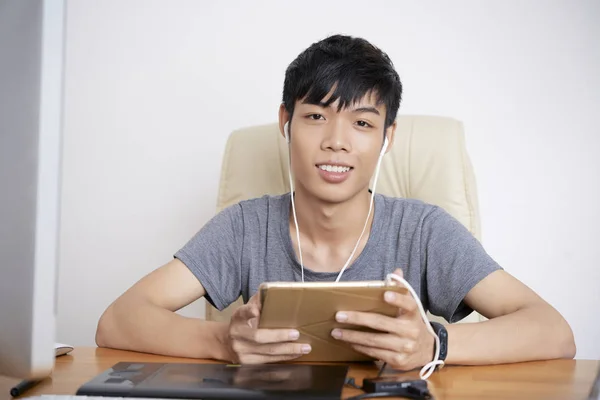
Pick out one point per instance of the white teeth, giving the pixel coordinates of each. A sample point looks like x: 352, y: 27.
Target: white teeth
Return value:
x: 334, y: 168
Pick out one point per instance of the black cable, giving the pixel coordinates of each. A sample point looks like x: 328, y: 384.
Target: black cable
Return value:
x: 411, y: 391
x: 388, y: 394
x: 352, y: 382
x: 372, y: 395
x: 381, y: 369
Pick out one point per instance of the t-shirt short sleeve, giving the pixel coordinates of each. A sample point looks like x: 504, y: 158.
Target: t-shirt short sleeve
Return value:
x: 214, y: 254
x: 454, y: 262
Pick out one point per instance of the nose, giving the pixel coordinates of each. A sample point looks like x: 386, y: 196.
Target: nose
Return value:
x: 336, y: 137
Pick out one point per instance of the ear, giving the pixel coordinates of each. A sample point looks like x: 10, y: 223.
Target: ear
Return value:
x: 390, y: 134
x: 284, y: 119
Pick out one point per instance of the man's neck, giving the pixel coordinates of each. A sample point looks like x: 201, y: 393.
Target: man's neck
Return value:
x: 332, y: 224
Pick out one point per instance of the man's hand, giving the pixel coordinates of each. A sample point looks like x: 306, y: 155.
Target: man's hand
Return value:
x: 251, y: 345
x: 404, y: 342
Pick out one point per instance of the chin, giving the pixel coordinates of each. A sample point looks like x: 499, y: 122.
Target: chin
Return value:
x: 334, y: 194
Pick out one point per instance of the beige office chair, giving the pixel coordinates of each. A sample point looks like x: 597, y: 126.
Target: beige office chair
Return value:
x: 428, y: 161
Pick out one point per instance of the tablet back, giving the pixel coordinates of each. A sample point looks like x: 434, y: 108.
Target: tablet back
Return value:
x: 311, y: 310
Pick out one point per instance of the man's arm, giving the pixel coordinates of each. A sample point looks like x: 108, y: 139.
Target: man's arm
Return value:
x: 521, y: 326
x: 144, y: 319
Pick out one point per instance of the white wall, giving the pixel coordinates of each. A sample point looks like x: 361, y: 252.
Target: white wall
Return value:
x: 153, y: 88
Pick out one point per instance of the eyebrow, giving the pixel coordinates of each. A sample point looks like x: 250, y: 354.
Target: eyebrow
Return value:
x: 356, y: 110
x: 366, y: 109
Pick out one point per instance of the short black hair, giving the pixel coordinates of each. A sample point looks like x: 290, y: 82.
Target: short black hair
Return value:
x: 351, y: 65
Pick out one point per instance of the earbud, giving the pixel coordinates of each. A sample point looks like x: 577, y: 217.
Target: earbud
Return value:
x: 384, y: 147
x: 286, y: 131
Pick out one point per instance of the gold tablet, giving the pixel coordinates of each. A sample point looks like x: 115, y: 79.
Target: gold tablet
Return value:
x: 311, y: 307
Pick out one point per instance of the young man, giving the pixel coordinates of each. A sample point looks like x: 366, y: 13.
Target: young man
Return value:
x: 340, y: 100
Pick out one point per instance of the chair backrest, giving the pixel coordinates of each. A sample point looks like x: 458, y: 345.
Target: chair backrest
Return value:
x: 428, y: 161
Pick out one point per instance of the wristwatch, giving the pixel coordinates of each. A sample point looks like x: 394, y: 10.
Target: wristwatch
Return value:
x: 442, y: 333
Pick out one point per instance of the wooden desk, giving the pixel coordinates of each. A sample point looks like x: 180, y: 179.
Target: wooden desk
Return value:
x: 559, y: 379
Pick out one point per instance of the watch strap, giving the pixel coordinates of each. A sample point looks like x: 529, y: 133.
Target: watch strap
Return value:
x: 442, y: 333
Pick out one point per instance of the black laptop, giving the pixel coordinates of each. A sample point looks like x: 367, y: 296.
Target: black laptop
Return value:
x: 218, y: 381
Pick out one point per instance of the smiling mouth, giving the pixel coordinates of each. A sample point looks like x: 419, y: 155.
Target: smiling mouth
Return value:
x: 334, y: 168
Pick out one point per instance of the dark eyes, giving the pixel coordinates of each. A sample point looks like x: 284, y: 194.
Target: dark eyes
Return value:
x: 317, y: 117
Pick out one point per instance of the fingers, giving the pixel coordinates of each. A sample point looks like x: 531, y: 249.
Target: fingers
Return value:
x: 401, y: 327
x: 396, y: 360
x: 405, y: 302
x: 256, y: 346
x: 262, y: 336
x: 252, y: 353
x: 379, y: 340
x: 249, y: 310
x: 277, y: 349
x: 246, y: 312
x: 261, y: 359
x: 398, y: 272
x: 255, y: 300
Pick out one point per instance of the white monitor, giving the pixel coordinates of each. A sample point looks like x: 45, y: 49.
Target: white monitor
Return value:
x: 31, y: 72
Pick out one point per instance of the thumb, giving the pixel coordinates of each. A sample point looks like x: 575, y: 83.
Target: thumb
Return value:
x: 254, y: 305
x: 248, y: 311
x: 399, y: 272
x: 255, y: 301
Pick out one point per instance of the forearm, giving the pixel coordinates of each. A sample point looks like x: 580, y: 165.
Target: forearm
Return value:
x: 144, y: 327
x: 532, y: 333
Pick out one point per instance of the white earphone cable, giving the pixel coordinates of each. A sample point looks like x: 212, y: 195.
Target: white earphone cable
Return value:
x: 381, y: 154
x: 294, y: 212
x: 368, y: 214
x: 429, y: 368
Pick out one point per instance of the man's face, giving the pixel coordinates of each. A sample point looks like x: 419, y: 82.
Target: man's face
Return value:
x: 334, y: 154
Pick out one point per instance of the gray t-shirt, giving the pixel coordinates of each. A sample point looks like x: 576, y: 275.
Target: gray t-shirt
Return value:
x: 249, y: 243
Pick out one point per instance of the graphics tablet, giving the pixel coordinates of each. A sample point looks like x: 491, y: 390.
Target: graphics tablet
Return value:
x: 218, y: 381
